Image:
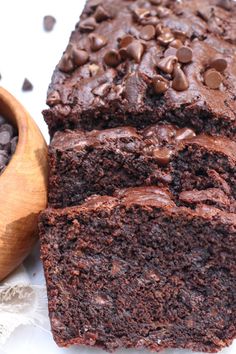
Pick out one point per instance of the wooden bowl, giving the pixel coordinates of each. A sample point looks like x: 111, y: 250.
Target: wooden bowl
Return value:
x: 23, y: 187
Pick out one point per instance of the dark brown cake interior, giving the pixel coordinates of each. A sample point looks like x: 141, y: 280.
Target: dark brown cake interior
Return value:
x: 140, y: 272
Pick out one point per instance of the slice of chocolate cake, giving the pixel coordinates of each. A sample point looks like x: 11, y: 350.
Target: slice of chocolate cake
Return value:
x: 99, y: 162
x: 140, y: 62
x: 136, y: 271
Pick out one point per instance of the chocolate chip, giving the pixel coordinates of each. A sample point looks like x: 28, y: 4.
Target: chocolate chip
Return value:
x: 125, y: 41
x: 135, y: 51
x: 5, y: 137
x: 93, y: 69
x: 167, y: 64
x: 170, y: 51
x: 155, y: 2
x: 141, y: 13
x: 4, y: 158
x: 213, y: 79
x: 160, y: 84
x: 180, y: 81
x: 219, y: 64
x: 49, y: 23
x: 79, y: 57
x: 27, y: 85
x: 123, y: 53
x: 180, y: 35
x: 162, y: 11
x: 176, y: 43
x: 101, y: 14
x: 184, y: 133
x: 163, y: 156
x: 151, y: 20
x: 102, y: 90
x: 159, y: 29
x: 66, y: 64
x: 97, y: 42
x: 53, y: 98
x: 148, y: 32
x: 112, y: 58
x: 165, y: 38
x: 7, y: 128
x: 88, y: 25
x: 14, y: 143
x: 184, y: 55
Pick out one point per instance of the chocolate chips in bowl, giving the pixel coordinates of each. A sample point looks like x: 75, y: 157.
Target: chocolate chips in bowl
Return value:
x: 8, y: 142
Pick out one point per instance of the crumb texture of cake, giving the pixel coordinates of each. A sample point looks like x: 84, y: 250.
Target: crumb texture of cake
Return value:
x: 136, y: 271
x: 99, y: 162
x: 137, y: 63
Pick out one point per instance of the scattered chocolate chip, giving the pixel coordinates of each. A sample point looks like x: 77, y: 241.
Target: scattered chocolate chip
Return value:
x: 148, y: 32
x: 140, y: 13
x: 151, y: 20
x: 102, y: 90
x: 176, y: 43
x: 101, y: 14
x: 184, y: 133
x: 165, y: 38
x: 79, y: 57
x: 93, y: 69
x: 160, y: 84
x: 180, y: 35
x: 167, y: 64
x: 66, y: 64
x: 27, y: 85
x: 123, y: 53
x: 180, y: 81
x: 213, y: 79
x: 219, y: 64
x: 112, y: 58
x: 53, y: 98
x: 88, y: 25
x: 170, y: 51
x: 135, y: 51
x: 159, y: 29
x: 125, y: 41
x: 163, y: 156
x: 97, y: 41
x: 155, y: 2
x: 184, y: 55
x: 162, y: 11
x: 49, y: 23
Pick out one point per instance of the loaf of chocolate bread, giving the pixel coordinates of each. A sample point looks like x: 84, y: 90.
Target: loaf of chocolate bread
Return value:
x: 135, y: 270
x: 140, y: 62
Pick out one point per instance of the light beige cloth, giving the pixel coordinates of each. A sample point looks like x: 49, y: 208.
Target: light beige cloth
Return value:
x: 21, y: 303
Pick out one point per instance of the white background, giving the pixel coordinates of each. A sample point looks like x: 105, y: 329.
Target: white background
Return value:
x: 27, y: 51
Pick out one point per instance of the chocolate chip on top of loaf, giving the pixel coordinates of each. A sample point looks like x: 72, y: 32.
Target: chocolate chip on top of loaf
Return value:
x: 140, y: 62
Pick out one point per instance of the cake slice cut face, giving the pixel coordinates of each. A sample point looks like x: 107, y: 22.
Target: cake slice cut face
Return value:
x: 100, y: 162
x: 141, y: 62
x: 137, y: 271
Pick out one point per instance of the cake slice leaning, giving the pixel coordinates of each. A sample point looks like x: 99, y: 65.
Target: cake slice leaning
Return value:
x: 137, y: 271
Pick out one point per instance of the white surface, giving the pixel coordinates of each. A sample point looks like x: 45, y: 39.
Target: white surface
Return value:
x: 28, y: 51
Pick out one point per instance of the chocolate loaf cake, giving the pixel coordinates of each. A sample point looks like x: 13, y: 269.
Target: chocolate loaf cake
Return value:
x: 99, y: 162
x: 140, y: 62
x: 135, y: 270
